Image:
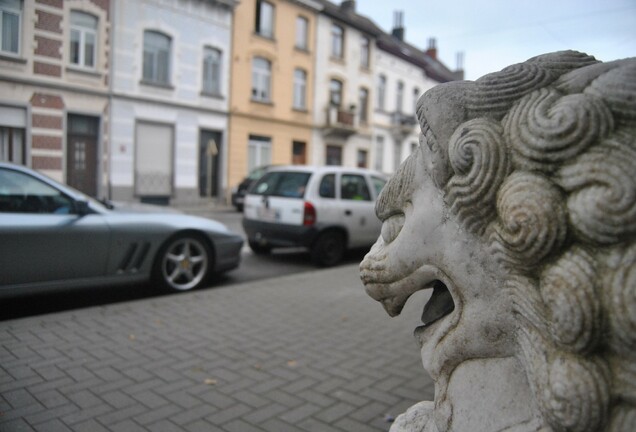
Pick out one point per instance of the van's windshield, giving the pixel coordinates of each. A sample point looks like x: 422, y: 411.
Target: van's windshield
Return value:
x: 289, y: 184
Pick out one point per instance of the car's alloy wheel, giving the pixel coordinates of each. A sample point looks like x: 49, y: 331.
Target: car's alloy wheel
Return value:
x: 329, y: 249
x: 183, y: 263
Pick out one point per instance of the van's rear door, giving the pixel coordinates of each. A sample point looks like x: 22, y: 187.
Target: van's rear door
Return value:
x: 278, y: 198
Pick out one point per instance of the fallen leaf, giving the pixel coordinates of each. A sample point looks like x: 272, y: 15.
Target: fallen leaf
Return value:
x: 292, y: 363
x: 132, y: 337
x: 258, y: 366
x: 209, y: 381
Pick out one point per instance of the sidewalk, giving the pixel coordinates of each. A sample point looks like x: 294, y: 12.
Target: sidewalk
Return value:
x: 306, y: 352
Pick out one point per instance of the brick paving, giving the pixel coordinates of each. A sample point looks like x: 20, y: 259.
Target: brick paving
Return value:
x: 306, y: 352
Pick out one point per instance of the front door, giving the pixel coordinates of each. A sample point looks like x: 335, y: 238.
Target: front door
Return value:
x: 209, y: 156
x: 81, y: 153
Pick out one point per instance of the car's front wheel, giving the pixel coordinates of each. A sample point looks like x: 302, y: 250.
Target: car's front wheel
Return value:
x: 183, y: 263
x: 329, y: 249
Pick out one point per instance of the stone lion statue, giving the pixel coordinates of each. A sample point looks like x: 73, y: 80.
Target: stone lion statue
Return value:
x: 518, y: 211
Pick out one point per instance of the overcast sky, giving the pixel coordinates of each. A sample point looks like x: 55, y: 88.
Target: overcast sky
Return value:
x: 493, y: 34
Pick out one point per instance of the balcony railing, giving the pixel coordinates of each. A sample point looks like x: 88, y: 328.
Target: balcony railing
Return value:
x: 340, y: 122
x: 402, y: 125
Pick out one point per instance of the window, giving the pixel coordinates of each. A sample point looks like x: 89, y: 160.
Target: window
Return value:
x: 12, y: 127
x: 302, y: 32
x: 300, y: 89
x: 334, y: 155
x: 327, y: 187
x: 381, y: 91
x: 282, y: 183
x: 335, y: 93
x: 399, y: 97
x: 10, y: 22
x: 264, y: 19
x: 379, y: 152
x: 354, y: 187
x: 362, y: 158
x: 261, y: 79
x: 259, y: 152
x: 211, y: 71
x: 364, y: 105
x: 21, y: 193
x: 12, y: 145
x: 299, y: 152
x: 337, y: 41
x: 156, y: 67
x: 364, y: 53
x: 416, y: 96
x: 83, y: 39
x: 378, y: 184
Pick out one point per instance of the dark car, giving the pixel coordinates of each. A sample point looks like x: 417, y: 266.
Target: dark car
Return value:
x: 53, y: 236
x: 238, y: 193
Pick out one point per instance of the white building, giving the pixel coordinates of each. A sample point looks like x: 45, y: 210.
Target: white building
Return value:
x: 169, y: 100
x: 343, y: 113
x: 403, y: 73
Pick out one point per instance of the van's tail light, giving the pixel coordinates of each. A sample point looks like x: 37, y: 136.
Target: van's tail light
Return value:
x: 309, y: 215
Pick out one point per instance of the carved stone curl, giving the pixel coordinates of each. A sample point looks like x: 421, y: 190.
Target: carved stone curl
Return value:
x: 519, y: 213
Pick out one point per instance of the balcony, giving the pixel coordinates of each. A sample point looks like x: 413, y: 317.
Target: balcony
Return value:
x: 340, y: 123
x: 402, y: 125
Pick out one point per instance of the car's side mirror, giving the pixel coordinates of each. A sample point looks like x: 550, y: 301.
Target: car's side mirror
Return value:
x: 81, y: 207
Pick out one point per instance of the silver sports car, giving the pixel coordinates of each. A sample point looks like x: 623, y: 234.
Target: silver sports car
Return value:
x: 54, y: 236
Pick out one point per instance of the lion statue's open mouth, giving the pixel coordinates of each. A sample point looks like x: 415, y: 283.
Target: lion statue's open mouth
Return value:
x: 518, y: 213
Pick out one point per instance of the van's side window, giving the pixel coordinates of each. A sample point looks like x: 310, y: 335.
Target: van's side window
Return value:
x: 328, y: 186
x: 354, y: 187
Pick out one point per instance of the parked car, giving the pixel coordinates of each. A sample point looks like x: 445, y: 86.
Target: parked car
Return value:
x: 325, y: 209
x: 238, y: 193
x: 55, y: 236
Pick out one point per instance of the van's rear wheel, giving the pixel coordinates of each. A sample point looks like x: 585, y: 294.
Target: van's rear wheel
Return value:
x: 258, y: 248
x: 329, y: 249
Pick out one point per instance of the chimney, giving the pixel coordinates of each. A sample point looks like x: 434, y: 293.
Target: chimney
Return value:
x: 398, y: 25
x: 459, y: 70
x: 431, y: 51
x: 348, y: 5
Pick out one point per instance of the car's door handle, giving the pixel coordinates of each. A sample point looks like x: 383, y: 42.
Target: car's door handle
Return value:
x: 347, y: 212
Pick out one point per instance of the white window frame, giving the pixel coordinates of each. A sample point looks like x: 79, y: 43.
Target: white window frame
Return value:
x: 399, y: 97
x: 84, y: 33
x: 212, y: 70
x: 302, y: 33
x: 381, y: 92
x: 336, y: 88
x: 149, y: 48
x: 337, y: 41
x: 363, y: 100
x: 365, y: 52
x: 17, y: 11
x: 300, y: 89
x: 259, y: 152
x: 265, y: 24
x: 261, y: 79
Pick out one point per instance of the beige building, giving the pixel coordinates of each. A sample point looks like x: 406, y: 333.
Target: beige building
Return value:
x: 272, y: 74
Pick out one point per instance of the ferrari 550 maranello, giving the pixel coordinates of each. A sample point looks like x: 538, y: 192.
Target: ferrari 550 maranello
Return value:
x: 54, y: 236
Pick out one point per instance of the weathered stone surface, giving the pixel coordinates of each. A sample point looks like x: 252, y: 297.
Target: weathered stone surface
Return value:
x: 519, y: 211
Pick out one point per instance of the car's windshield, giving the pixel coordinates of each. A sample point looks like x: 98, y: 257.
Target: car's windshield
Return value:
x: 282, y: 183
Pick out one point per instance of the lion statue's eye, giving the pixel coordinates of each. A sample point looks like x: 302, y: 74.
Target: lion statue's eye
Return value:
x: 391, y: 227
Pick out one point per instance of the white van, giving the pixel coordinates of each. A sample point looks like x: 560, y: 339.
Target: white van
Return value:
x: 326, y: 209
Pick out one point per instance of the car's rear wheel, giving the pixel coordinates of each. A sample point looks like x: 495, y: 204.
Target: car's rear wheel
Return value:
x: 183, y: 263
x: 259, y: 249
x: 329, y: 249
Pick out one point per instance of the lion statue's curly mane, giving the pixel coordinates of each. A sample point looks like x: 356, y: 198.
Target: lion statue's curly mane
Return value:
x: 540, y: 164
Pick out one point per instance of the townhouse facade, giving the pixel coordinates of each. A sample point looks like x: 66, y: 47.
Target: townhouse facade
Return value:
x: 343, y: 114
x: 272, y: 84
x: 175, y: 101
x: 54, y: 80
x: 403, y: 73
x: 169, y: 100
